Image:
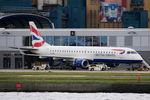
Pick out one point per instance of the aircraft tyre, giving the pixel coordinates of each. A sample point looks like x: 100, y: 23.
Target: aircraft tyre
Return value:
x: 37, y: 68
x: 92, y: 69
x: 103, y: 69
x: 46, y: 68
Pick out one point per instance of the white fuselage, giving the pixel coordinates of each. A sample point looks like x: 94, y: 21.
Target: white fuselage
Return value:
x: 91, y: 53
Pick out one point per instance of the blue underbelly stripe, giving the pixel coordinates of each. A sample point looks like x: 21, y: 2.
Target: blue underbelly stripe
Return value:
x: 116, y: 61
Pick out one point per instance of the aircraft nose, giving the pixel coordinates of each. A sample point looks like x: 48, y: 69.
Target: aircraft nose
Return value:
x: 138, y: 57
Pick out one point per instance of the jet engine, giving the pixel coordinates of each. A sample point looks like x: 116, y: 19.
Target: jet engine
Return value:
x: 82, y: 63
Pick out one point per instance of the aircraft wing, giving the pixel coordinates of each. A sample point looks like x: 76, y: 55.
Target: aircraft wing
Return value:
x: 24, y: 48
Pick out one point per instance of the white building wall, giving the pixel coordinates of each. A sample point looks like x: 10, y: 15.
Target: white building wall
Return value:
x: 14, y: 37
x: 53, y: 2
x: 18, y: 41
x: 141, y: 37
x: 144, y: 41
x: 2, y: 41
x: 120, y: 41
x: 10, y: 41
x: 41, y: 3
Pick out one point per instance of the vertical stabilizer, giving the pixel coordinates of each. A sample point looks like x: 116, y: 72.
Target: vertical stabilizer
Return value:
x: 37, y: 39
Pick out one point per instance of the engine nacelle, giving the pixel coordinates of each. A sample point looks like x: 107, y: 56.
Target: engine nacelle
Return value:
x: 82, y: 63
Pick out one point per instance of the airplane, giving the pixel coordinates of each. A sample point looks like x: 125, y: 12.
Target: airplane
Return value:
x: 80, y: 56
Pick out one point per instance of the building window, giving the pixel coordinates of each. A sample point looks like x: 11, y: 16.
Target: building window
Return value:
x: 72, y: 40
x: 80, y: 41
x: 64, y: 40
x: 103, y: 40
x: 57, y: 40
x: 49, y: 40
x: 128, y: 41
x: 96, y: 41
x: 88, y: 40
x: 27, y: 41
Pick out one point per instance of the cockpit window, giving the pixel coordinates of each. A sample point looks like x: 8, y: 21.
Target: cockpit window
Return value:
x: 131, y: 52
x: 128, y: 52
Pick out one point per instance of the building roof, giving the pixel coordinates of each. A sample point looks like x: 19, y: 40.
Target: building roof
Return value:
x: 22, y: 20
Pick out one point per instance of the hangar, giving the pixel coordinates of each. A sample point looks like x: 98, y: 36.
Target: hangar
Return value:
x: 138, y: 39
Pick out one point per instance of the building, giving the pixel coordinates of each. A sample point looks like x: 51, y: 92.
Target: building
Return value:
x: 138, y: 39
x: 15, y: 15
x: 63, y: 13
x: 84, y: 13
x: 108, y: 13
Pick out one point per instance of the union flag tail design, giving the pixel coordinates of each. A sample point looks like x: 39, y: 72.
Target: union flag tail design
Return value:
x: 37, y: 40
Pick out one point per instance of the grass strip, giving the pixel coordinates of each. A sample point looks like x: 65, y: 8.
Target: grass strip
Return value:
x: 72, y: 82
x: 76, y: 73
x: 75, y: 78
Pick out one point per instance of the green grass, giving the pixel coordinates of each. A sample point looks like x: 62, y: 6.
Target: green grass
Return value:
x: 76, y: 73
x: 13, y: 77
x: 74, y: 78
x: 73, y: 82
x: 83, y: 80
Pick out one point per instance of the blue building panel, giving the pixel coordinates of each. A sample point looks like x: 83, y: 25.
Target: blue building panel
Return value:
x: 137, y: 19
x: 56, y: 15
x: 77, y: 13
x: 12, y: 5
x: 71, y: 16
x: 24, y: 3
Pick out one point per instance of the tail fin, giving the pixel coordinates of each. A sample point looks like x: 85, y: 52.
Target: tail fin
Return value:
x: 37, y: 40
